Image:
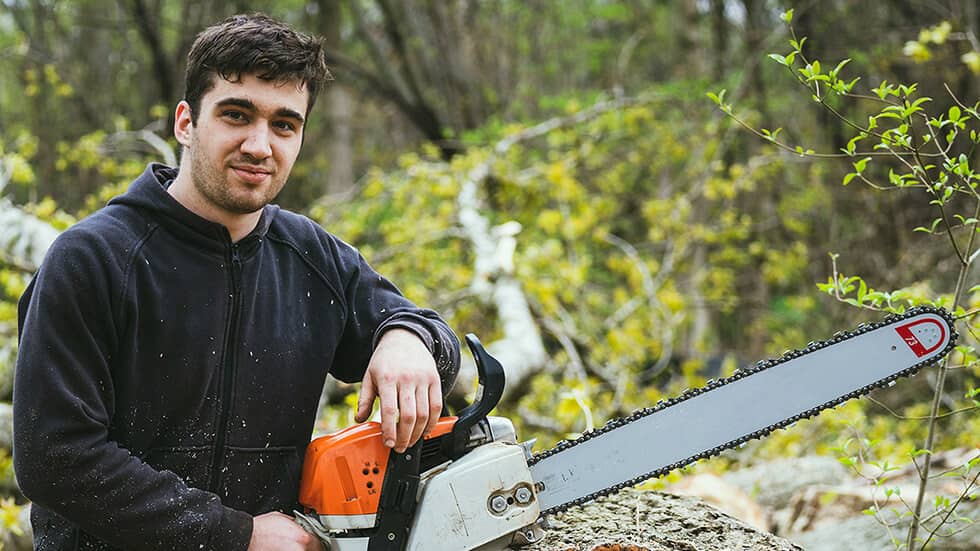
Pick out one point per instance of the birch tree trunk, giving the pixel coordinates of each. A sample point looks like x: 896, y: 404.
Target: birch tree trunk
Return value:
x: 24, y: 240
x: 521, y: 351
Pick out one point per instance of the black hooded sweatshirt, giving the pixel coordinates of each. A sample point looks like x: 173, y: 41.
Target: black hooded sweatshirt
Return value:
x: 167, y: 380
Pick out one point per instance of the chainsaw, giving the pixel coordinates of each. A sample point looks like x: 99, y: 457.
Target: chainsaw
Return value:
x: 470, y: 485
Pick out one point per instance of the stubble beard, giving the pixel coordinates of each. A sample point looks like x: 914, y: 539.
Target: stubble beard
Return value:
x: 212, y: 183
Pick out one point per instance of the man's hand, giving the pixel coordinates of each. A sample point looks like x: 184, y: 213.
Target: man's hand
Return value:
x: 278, y: 532
x: 403, y: 375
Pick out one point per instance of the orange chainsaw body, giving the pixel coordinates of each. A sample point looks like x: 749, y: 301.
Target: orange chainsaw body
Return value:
x: 343, y: 471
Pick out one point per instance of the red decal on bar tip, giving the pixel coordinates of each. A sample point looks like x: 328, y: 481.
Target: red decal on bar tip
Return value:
x: 923, y: 336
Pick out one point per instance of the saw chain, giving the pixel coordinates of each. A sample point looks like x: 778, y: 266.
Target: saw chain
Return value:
x: 740, y: 374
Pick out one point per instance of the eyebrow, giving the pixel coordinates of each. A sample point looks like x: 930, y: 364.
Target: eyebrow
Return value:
x: 247, y: 104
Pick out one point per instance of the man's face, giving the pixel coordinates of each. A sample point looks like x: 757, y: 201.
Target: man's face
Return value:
x: 246, y: 139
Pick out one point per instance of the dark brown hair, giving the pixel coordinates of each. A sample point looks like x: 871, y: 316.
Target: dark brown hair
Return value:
x: 253, y: 44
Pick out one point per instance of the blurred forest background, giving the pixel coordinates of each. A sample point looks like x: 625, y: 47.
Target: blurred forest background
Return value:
x: 552, y: 176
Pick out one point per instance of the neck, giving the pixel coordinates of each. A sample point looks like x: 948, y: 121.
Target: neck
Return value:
x: 238, y: 225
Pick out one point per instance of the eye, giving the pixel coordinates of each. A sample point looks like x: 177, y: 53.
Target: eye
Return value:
x: 234, y: 115
x: 284, y: 126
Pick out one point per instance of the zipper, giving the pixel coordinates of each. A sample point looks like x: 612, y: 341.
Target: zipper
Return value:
x: 228, y: 363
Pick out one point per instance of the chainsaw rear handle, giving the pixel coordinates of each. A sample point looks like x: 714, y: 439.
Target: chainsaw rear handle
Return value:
x: 490, y: 375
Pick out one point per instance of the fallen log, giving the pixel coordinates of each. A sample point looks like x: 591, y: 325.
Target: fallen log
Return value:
x: 637, y: 520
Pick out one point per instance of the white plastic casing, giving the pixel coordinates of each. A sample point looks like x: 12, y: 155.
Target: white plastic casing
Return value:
x: 454, y: 512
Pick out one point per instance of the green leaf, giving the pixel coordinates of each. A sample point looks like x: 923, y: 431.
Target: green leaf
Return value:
x: 929, y: 230
x: 852, y: 144
x: 770, y: 135
x: 787, y: 16
x: 848, y: 177
x: 954, y: 113
x: 882, y: 90
x: 859, y: 166
x: 779, y: 59
x: 920, y: 101
x: 839, y: 67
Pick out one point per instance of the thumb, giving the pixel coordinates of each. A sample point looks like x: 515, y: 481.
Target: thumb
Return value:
x: 365, y: 401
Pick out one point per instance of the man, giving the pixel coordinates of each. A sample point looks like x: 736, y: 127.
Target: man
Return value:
x: 173, y: 345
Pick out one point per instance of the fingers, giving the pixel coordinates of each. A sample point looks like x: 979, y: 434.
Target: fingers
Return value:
x: 418, y: 413
x: 389, y: 414
x: 365, y: 400
x: 421, y: 414
x: 276, y: 531
x: 407, y: 414
x: 427, y: 410
x: 435, y: 405
x: 403, y: 376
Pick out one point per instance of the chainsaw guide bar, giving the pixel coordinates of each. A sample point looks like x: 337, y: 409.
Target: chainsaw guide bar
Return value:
x: 578, y: 471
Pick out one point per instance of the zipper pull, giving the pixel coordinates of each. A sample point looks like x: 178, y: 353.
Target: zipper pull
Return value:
x: 235, y: 259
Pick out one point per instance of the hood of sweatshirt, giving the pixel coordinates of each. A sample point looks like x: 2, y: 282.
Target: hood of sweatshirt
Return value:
x: 148, y: 192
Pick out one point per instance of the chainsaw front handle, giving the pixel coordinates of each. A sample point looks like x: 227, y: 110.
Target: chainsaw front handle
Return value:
x: 490, y: 375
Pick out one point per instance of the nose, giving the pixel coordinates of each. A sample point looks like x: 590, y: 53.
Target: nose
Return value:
x: 257, y: 144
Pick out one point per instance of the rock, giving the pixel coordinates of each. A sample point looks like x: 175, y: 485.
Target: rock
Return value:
x: 866, y: 534
x: 825, y: 510
x: 818, y: 505
x: 853, y: 534
x: 725, y: 496
x: 831, y: 518
x: 653, y: 521
x: 773, y: 484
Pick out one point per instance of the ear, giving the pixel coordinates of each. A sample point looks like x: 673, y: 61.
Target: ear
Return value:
x: 183, y: 124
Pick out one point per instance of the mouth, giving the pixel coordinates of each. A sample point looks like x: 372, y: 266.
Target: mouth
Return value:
x: 251, y: 174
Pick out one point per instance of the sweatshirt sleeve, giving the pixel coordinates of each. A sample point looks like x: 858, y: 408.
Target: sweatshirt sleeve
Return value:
x: 64, y: 458
x: 375, y: 305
